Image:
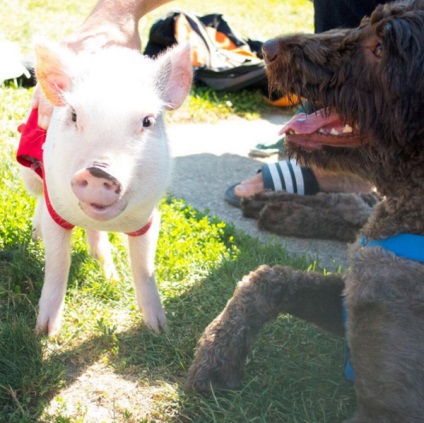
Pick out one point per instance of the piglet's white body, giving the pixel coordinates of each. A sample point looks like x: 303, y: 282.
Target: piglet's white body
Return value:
x: 106, y: 162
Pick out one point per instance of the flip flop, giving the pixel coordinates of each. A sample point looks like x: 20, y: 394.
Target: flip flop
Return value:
x: 285, y: 175
x: 230, y: 196
x: 267, y: 150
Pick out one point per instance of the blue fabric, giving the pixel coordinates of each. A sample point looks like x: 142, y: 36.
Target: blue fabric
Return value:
x: 348, y: 370
x: 408, y: 246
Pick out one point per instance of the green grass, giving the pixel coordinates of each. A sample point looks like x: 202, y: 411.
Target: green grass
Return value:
x: 25, y: 21
x: 22, y: 20
x: 105, y: 365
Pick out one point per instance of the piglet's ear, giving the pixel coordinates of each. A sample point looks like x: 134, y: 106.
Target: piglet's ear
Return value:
x: 51, y: 74
x: 175, y: 75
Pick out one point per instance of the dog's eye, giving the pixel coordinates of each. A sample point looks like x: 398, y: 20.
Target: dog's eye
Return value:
x: 378, y: 51
x: 74, y: 116
x: 148, y: 121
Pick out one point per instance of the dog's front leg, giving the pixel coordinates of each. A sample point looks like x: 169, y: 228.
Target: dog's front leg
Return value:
x: 142, y: 255
x: 57, y: 242
x: 258, y: 298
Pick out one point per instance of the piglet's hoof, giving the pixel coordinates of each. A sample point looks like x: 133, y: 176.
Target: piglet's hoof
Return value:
x: 156, y: 323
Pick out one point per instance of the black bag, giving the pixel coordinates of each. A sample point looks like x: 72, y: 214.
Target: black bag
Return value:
x: 221, y: 59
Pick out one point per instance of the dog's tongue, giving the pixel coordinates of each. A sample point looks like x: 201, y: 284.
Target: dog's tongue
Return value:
x: 309, y: 124
x: 320, y: 129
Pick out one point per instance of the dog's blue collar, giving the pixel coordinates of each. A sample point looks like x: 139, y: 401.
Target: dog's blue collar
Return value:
x: 408, y: 246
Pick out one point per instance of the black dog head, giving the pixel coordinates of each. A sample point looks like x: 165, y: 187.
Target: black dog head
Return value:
x: 369, y: 84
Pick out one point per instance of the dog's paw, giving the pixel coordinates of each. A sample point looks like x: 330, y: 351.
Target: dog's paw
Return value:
x: 204, y: 379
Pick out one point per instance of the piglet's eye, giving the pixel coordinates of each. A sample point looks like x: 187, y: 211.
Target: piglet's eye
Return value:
x: 73, y: 115
x: 148, y: 121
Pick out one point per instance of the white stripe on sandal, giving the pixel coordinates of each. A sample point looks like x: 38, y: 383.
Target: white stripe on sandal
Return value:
x: 276, y: 179
x: 299, y: 177
x: 282, y: 174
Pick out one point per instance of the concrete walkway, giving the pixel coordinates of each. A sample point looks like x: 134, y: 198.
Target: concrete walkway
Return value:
x: 210, y: 157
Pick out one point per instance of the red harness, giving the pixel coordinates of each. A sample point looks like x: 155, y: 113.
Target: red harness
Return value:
x: 30, y: 154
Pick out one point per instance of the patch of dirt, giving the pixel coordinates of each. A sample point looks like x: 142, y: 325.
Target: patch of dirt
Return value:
x: 99, y: 395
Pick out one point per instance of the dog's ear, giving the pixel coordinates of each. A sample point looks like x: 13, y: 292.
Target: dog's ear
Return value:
x: 52, y: 74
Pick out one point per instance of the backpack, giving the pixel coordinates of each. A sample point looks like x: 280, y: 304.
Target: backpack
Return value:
x: 221, y: 59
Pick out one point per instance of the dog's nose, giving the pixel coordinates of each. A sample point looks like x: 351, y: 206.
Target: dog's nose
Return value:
x: 270, y: 50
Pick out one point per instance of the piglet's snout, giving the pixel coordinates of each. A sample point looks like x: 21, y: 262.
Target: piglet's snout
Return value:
x: 95, y: 186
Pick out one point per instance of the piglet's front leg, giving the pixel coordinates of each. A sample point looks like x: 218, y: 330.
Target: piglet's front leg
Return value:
x: 57, y: 243
x: 100, y: 249
x: 142, y: 255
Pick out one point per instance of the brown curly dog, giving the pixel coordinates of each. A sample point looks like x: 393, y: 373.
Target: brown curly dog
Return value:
x: 369, y: 82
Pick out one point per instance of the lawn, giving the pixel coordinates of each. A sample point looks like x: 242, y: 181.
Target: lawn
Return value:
x: 105, y: 366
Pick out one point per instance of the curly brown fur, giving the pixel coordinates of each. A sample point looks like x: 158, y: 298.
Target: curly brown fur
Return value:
x: 337, y: 216
x: 262, y: 296
x: 372, y: 77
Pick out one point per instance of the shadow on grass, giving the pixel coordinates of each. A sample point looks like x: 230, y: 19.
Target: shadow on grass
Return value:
x: 293, y: 374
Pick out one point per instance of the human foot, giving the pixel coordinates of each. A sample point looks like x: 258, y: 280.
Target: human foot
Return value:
x: 289, y: 176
